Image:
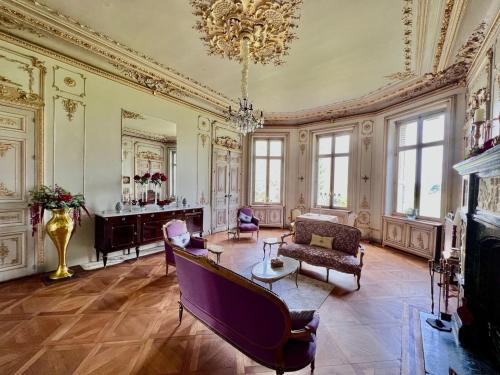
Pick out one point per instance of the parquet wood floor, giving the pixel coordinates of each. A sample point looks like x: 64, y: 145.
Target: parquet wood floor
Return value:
x: 123, y: 320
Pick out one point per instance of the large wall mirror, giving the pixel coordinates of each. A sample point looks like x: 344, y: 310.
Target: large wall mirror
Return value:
x: 149, y: 145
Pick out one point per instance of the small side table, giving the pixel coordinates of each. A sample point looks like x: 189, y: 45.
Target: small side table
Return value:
x: 270, y: 242
x: 215, y: 249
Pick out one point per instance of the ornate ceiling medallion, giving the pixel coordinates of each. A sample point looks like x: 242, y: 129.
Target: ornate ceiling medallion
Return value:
x: 267, y: 24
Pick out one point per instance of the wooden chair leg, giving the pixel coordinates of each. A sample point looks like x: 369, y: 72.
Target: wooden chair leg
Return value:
x: 181, y: 310
x: 313, y: 365
x: 358, y: 277
x: 166, y: 268
x: 327, y: 274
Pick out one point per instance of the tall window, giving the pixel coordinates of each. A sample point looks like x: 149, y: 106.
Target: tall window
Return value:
x: 268, y: 170
x: 420, y: 165
x: 332, y: 170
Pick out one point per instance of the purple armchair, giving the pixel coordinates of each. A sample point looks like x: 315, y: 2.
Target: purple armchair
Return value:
x: 251, y: 318
x: 247, y: 227
x: 172, y: 234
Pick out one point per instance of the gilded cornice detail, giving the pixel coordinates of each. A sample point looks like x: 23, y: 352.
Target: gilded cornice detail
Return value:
x: 131, y: 115
x: 148, y: 135
x: 18, y: 96
x: 137, y: 71
x: 471, y: 46
x: 407, y: 19
x: 445, y: 22
x: 12, y: 24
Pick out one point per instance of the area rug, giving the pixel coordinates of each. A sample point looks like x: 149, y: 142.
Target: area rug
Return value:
x: 310, y: 294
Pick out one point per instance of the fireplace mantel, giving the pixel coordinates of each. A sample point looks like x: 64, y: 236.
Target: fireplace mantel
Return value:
x: 480, y: 214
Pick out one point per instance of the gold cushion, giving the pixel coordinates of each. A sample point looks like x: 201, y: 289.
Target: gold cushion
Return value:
x: 326, y: 242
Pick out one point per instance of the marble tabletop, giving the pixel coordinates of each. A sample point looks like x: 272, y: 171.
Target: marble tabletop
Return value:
x: 148, y: 210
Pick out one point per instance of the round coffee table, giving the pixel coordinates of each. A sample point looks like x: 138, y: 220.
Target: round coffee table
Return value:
x: 215, y: 249
x: 270, y: 241
x: 263, y: 271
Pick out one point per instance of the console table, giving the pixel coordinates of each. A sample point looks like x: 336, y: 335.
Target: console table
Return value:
x: 125, y: 230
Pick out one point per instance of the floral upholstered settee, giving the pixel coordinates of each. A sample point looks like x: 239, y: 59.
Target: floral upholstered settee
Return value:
x: 343, y: 257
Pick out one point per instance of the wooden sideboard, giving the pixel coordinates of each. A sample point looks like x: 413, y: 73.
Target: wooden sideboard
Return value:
x: 419, y: 237
x: 119, y: 231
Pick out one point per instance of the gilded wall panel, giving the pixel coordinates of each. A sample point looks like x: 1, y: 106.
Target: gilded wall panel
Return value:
x: 68, y: 81
x: 69, y: 139
x: 10, y: 218
x: 20, y: 72
x: 12, y: 165
x: 11, y: 122
x: 12, y: 250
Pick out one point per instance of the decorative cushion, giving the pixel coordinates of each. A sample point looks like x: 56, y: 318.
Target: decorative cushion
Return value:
x: 346, y: 238
x: 175, y: 228
x: 248, y: 227
x: 182, y: 240
x: 244, y: 218
x: 321, y: 241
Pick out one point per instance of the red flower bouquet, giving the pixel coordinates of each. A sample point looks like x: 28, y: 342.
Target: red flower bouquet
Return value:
x: 46, y: 198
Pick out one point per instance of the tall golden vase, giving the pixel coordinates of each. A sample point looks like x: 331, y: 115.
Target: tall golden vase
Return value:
x: 60, y: 229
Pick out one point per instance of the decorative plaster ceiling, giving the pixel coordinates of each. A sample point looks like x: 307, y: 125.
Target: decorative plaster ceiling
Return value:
x: 350, y: 57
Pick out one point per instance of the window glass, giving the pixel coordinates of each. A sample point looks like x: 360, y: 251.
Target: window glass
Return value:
x: 340, y: 181
x: 407, y: 162
x: 274, y: 180
x: 408, y: 134
x: 324, y: 180
x: 260, y: 180
x: 275, y: 148
x: 430, y: 181
x: 342, y: 144
x: 325, y: 145
x: 433, y: 129
x: 261, y: 148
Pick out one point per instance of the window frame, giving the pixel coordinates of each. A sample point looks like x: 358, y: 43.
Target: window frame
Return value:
x: 268, y: 158
x: 332, y: 157
x: 418, y: 147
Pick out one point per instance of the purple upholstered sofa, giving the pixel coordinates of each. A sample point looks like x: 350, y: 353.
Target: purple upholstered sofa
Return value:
x: 251, y: 318
x: 251, y: 227
x: 174, y: 228
x: 344, y: 255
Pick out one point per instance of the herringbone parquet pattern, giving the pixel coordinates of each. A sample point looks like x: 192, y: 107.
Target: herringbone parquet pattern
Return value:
x: 123, y: 320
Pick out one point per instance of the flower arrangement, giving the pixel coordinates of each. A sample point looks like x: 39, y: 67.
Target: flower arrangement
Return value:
x: 158, y: 178
x: 47, y: 198
x: 143, y: 180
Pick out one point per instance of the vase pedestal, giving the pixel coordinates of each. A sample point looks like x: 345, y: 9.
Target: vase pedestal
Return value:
x: 60, y: 230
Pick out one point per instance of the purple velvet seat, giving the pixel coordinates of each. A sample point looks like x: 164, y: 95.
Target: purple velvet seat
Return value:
x: 251, y: 227
x: 174, y: 228
x: 251, y: 318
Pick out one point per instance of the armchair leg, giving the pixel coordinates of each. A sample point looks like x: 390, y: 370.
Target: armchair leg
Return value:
x: 358, y: 277
x: 166, y: 268
x: 327, y: 274
x: 181, y: 310
x: 313, y: 365
x: 280, y: 372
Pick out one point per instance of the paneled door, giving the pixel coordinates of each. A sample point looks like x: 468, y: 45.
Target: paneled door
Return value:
x: 17, y: 177
x: 220, y: 188
x: 226, y: 188
x: 234, y: 186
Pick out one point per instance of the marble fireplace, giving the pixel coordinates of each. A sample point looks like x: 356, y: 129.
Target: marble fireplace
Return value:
x: 479, y: 315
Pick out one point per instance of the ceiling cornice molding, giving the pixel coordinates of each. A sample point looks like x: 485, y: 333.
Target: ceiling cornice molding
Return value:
x: 450, y: 77
x: 148, y: 135
x: 455, y: 13
x: 132, y: 63
x: 98, y: 71
x: 142, y: 71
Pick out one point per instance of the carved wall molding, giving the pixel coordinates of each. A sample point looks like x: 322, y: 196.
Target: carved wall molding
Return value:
x: 149, y: 136
x: 132, y: 115
x: 489, y: 194
x: 228, y: 142
x: 68, y: 81
x: 11, y: 24
x: 470, y: 48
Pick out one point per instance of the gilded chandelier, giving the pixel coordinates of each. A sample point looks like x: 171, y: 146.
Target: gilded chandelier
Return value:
x: 247, y: 29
